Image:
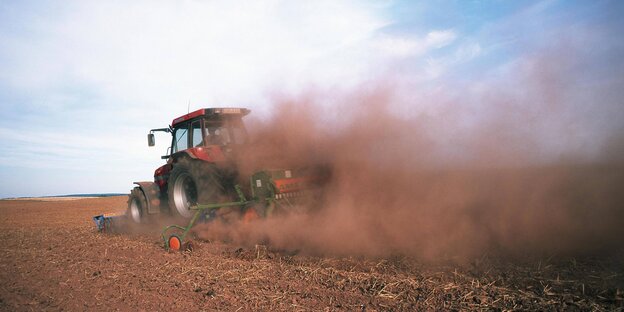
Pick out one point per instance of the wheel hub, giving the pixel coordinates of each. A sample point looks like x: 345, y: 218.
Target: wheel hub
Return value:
x: 135, y: 212
x: 185, y: 194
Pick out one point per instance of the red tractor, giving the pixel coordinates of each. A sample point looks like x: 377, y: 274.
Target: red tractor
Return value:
x: 199, y: 166
x: 200, y: 178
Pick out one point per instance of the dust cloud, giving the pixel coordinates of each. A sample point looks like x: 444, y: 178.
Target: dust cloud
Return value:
x: 448, y: 176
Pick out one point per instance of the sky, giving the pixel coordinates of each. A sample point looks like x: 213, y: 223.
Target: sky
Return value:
x: 82, y: 82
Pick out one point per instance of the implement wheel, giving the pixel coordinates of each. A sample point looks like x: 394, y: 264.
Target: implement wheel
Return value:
x: 174, y: 243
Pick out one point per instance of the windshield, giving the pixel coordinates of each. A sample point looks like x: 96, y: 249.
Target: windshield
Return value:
x: 224, y: 132
x: 215, y: 132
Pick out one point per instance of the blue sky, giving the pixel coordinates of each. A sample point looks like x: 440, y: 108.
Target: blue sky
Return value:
x: 81, y: 82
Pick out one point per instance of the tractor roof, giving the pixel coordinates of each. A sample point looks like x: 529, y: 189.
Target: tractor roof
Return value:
x: 221, y: 111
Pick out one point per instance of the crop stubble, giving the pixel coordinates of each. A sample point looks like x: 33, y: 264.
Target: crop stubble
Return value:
x: 53, y: 259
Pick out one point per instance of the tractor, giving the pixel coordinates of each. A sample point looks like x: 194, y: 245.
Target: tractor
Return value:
x: 200, y: 178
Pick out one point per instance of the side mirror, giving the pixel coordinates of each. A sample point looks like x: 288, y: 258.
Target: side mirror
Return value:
x: 150, y: 140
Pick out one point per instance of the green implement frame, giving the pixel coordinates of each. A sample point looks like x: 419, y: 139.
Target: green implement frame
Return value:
x: 264, y: 193
x: 199, y: 210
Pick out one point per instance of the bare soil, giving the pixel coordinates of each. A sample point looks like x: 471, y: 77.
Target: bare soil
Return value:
x: 52, y: 258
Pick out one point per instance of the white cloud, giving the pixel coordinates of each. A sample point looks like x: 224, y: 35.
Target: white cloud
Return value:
x: 435, y: 68
x: 398, y: 46
x: 467, y: 52
x: 212, y: 51
x: 440, y: 38
x: 402, y: 46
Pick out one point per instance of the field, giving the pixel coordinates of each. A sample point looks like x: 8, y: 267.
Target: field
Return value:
x: 53, y: 259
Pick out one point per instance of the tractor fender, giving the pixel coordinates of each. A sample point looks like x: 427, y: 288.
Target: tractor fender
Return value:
x: 152, y: 195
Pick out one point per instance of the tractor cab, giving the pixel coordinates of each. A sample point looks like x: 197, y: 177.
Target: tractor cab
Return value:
x: 209, y: 134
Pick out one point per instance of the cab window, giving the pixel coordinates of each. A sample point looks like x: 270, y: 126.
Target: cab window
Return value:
x: 197, y: 137
x: 180, y: 139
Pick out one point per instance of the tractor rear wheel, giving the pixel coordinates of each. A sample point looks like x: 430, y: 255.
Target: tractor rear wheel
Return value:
x: 137, y: 206
x: 192, y: 182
